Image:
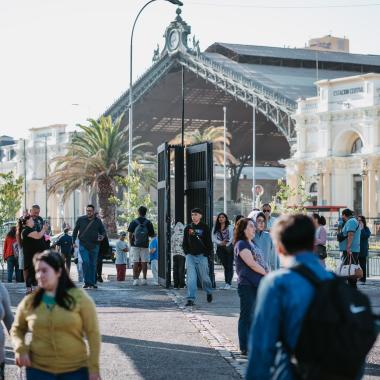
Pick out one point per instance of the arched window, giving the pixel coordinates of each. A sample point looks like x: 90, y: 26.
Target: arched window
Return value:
x: 357, y: 146
x: 313, y: 188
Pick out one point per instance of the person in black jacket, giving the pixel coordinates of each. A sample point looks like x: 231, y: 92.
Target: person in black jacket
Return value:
x: 90, y: 231
x: 197, y: 245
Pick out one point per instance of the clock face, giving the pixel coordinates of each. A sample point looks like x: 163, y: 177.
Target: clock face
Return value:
x: 173, y: 39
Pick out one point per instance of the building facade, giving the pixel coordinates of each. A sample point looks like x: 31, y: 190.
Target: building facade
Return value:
x: 338, y: 144
x: 31, y: 159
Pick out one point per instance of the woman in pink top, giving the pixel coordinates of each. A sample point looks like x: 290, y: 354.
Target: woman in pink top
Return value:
x: 320, y: 238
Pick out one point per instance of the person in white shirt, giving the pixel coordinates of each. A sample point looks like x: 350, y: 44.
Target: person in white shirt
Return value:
x: 121, y: 257
x: 178, y: 256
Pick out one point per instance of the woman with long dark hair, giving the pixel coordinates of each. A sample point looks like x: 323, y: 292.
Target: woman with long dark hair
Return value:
x: 59, y: 316
x: 320, y: 248
x: 250, y: 268
x: 222, y: 237
x: 365, y: 233
x: 31, y: 242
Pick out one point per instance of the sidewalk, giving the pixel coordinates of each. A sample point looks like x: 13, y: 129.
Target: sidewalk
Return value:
x: 147, y: 334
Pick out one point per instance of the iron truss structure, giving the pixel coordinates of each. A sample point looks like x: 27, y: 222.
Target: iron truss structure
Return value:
x: 273, y: 105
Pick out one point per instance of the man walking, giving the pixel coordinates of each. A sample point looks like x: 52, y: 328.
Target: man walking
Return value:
x: 197, y: 245
x: 139, y: 232
x: 91, y: 233
x: 65, y: 243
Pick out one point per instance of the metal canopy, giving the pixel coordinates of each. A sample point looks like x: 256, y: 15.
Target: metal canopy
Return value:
x: 271, y: 79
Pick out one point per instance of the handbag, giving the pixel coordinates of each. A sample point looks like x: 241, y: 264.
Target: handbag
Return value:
x: 349, y: 269
x: 342, y: 237
x: 321, y: 251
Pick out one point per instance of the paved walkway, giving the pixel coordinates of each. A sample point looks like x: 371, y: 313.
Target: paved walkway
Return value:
x: 147, y: 334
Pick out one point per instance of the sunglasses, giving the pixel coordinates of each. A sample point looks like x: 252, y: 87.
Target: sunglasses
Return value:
x: 266, y: 210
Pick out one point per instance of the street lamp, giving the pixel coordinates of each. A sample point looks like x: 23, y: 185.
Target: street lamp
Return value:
x: 175, y: 2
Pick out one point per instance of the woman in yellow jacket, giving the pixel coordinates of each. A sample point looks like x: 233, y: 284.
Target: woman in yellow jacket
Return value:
x: 58, y: 316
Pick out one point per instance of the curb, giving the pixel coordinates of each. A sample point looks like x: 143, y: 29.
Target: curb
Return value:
x: 219, y: 342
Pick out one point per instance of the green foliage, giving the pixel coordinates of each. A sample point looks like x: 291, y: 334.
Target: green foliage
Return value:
x: 289, y: 200
x: 136, y: 194
x: 10, y: 196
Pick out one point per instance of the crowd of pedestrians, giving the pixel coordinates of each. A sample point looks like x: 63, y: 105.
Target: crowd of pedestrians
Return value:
x: 277, y: 264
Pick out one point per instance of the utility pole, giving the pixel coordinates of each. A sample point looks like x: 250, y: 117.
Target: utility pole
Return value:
x: 24, y: 158
x: 225, y: 161
x: 46, y: 175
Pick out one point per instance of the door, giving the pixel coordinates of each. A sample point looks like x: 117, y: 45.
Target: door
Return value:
x: 163, y: 215
x: 199, y: 186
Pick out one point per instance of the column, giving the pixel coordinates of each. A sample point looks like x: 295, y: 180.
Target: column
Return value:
x: 372, y: 194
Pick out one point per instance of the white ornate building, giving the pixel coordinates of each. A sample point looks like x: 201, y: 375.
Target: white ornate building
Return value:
x: 338, y: 144
x: 31, y: 159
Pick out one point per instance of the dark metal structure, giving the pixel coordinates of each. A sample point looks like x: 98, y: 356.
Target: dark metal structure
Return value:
x: 198, y: 176
x: 164, y: 233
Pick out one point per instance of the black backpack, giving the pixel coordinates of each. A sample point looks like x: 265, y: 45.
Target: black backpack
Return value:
x: 141, y: 234
x: 337, y: 332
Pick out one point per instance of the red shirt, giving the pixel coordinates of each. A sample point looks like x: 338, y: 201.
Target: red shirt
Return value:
x: 8, y: 247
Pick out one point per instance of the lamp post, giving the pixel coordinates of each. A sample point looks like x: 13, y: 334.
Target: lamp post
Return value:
x: 175, y: 2
x: 225, y: 161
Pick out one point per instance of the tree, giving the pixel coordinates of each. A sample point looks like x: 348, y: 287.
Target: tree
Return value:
x: 290, y: 199
x: 96, y: 157
x: 236, y: 169
x: 10, y: 196
x: 136, y: 194
x: 214, y: 135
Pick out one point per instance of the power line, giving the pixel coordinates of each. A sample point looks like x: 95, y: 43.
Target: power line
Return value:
x: 283, y: 6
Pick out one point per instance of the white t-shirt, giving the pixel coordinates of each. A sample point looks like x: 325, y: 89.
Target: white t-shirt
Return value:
x: 121, y: 256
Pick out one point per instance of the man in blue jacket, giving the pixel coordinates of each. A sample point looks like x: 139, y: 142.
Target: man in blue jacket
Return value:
x: 283, y: 300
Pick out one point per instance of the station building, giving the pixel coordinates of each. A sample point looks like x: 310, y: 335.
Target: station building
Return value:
x: 308, y: 112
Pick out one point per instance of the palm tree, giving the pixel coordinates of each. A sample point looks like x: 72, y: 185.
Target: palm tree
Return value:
x: 211, y: 134
x: 95, y: 157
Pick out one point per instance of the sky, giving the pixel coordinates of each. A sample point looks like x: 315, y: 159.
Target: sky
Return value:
x: 63, y: 61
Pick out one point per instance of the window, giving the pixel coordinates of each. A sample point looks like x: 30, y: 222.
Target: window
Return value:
x: 357, y: 146
x: 313, y: 188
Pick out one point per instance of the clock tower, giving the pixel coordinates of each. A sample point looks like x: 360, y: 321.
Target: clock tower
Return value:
x: 176, y: 35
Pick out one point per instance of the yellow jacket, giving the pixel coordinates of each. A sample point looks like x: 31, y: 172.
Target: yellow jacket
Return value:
x: 57, y: 342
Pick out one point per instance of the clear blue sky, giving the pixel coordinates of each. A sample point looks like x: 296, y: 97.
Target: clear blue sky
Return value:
x: 56, y: 53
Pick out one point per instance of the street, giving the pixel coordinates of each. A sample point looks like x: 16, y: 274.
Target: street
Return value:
x: 147, y: 334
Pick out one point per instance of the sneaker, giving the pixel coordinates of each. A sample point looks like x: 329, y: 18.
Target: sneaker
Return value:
x: 189, y: 303
x: 222, y: 287
x: 209, y: 297
x: 143, y: 281
x: 135, y: 282
x: 94, y: 286
x: 100, y: 278
x: 85, y: 286
x: 227, y: 287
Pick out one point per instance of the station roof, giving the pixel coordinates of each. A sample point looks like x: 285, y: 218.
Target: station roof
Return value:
x: 291, y: 82
x: 298, y: 54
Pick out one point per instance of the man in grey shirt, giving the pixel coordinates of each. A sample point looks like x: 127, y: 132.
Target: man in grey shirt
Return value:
x: 91, y: 233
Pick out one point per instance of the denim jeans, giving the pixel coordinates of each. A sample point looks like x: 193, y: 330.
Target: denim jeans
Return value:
x: 154, y: 268
x: 37, y: 374
x: 89, y: 258
x: 197, y: 266
x: 247, y: 294
x: 12, y: 266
